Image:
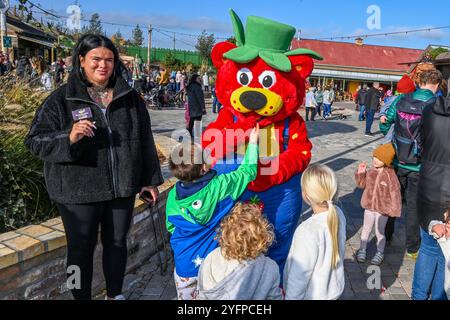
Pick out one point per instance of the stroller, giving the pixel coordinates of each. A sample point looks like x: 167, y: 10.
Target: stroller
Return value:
x: 174, y: 99
x: 152, y: 100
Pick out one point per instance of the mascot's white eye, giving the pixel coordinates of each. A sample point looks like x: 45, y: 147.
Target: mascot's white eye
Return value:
x: 267, y: 79
x: 197, y: 204
x: 244, y: 76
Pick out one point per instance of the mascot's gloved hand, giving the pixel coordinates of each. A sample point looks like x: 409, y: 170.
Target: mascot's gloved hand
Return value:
x: 218, y: 130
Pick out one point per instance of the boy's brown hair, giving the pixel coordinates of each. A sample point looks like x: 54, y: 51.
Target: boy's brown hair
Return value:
x: 245, y: 233
x: 432, y: 76
x: 187, y: 167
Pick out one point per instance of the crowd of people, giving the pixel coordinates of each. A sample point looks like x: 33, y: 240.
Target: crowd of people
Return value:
x: 36, y: 71
x: 319, y: 101
x: 410, y: 176
x: 162, y: 87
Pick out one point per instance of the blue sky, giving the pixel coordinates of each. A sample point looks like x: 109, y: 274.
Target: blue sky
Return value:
x: 316, y: 19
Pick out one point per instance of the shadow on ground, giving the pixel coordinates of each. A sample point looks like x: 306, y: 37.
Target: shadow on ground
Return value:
x: 319, y: 128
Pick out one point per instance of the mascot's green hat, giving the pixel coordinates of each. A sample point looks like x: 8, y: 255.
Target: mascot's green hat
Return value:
x: 267, y: 39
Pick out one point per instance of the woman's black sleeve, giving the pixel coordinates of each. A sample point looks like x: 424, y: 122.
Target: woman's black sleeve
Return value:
x: 47, y: 140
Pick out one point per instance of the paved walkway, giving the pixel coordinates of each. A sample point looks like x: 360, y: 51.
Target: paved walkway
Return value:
x: 340, y: 144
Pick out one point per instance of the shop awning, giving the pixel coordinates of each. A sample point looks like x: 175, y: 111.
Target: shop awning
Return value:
x: 38, y: 41
x: 355, y: 75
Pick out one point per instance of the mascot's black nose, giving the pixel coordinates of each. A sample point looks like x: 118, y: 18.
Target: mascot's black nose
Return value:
x: 253, y: 100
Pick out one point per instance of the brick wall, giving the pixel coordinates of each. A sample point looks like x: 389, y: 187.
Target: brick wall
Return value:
x: 33, y: 259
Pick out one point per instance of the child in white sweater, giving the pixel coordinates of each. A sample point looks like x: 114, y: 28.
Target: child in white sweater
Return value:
x: 238, y: 269
x: 315, y: 266
x: 441, y: 232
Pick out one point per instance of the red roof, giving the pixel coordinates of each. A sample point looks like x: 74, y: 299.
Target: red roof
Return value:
x: 347, y: 54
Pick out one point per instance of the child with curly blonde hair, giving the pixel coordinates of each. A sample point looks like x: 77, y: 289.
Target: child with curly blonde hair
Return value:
x: 238, y: 269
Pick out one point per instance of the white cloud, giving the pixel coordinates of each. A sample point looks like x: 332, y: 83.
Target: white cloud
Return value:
x: 168, y: 21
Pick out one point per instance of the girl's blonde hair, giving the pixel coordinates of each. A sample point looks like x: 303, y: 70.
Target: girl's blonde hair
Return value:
x: 319, y: 184
x: 245, y: 233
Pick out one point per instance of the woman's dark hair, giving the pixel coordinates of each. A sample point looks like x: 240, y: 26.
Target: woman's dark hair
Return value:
x: 193, y: 79
x: 87, y: 43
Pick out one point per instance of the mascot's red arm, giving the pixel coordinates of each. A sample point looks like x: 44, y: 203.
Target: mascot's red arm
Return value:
x: 291, y: 162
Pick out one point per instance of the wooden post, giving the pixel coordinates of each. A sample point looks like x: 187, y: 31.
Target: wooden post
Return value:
x: 149, y: 49
x: 174, y: 42
x: 3, y: 26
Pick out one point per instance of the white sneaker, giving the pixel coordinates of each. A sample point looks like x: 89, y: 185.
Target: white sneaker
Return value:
x: 119, y: 297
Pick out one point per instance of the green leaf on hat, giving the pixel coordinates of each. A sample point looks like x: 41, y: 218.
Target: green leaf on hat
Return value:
x: 278, y: 61
x: 242, y: 54
x: 238, y: 28
x: 302, y: 51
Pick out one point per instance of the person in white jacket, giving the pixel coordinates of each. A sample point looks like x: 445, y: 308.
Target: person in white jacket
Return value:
x: 310, y: 104
x: 46, y: 81
x: 315, y: 265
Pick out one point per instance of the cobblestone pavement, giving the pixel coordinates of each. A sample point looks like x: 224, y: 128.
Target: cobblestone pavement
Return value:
x: 340, y: 144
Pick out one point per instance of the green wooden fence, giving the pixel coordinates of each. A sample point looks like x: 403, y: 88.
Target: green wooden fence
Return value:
x: 159, y: 54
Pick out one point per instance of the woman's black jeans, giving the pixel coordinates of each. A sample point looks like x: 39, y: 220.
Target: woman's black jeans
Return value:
x: 191, y: 124
x: 81, y: 223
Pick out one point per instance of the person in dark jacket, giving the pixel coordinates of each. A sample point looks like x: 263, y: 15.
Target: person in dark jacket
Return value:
x: 59, y: 72
x: 172, y: 86
x: 125, y: 72
x: 407, y: 173
x: 94, y: 136
x: 196, y: 101
x: 361, y: 102
x: 23, y: 69
x: 372, y: 102
x: 432, y: 200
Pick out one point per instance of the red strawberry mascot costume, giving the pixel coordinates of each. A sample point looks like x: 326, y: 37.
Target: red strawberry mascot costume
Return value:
x: 260, y: 81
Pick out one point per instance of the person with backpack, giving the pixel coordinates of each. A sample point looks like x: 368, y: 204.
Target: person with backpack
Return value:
x: 405, y: 114
x: 404, y: 86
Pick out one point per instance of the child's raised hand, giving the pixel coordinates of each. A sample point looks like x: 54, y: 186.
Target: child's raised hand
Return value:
x: 254, y: 135
x: 362, y: 167
x: 447, y: 229
x: 440, y: 230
